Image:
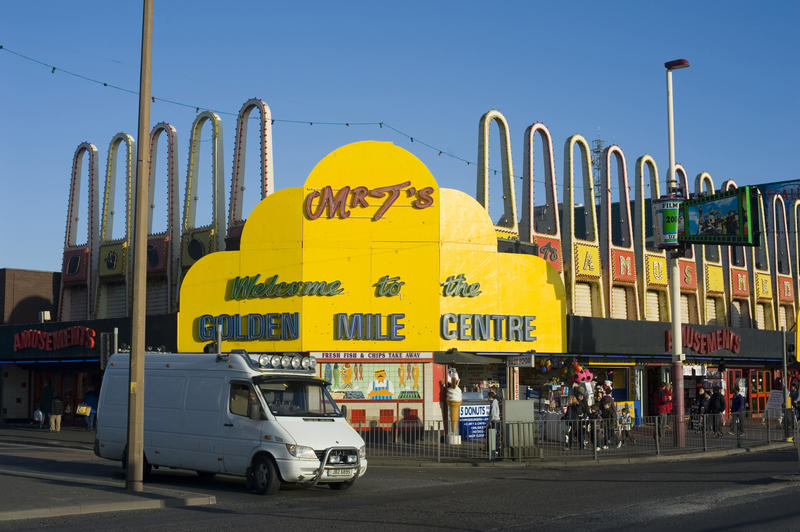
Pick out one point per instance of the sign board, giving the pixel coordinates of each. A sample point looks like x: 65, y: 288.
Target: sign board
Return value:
x: 775, y: 404
x: 726, y: 218
x: 472, y: 420
x: 520, y: 361
x: 666, y: 216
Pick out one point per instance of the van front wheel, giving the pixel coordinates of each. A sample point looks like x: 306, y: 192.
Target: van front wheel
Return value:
x: 263, y: 476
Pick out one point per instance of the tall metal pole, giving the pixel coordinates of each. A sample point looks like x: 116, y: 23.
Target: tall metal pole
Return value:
x: 136, y: 388
x: 674, y: 278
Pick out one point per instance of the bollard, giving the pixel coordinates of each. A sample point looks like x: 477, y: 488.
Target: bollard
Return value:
x: 438, y: 442
x: 658, y: 446
x: 705, y: 433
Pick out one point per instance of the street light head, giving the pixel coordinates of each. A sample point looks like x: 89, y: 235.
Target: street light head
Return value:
x: 675, y: 64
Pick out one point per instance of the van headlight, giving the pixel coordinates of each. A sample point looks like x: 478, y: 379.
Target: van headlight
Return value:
x: 362, y: 452
x: 301, y: 451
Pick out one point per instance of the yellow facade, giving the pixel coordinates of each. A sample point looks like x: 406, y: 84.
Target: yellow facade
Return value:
x: 400, y: 259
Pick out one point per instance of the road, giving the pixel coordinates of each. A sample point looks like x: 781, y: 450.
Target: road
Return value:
x: 755, y: 491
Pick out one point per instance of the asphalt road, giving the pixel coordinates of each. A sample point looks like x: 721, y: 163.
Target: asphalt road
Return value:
x: 755, y: 491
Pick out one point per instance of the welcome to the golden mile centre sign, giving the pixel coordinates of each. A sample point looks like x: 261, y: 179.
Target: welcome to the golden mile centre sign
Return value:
x: 371, y: 255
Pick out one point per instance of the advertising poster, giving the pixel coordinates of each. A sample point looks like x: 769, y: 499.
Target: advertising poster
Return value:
x: 370, y: 380
x: 473, y: 420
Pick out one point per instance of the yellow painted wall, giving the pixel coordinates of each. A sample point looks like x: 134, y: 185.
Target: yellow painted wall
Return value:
x: 422, y: 246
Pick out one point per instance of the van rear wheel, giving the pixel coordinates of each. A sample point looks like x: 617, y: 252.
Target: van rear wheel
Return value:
x: 263, y: 476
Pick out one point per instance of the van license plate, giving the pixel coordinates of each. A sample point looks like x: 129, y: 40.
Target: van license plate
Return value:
x: 341, y: 472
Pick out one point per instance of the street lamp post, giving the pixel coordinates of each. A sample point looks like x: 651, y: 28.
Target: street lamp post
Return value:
x: 674, y: 273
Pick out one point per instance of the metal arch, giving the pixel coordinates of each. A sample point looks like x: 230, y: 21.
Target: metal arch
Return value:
x: 796, y: 228
x: 571, y: 241
x: 640, y: 235
x: 615, y: 151
x: 776, y: 199
x: 173, y: 217
x: 106, y: 230
x: 626, y: 230
x: 767, y: 270
x: 727, y: 185
x: 173, y: 203
x: 508, y: 224
x: 527, y: 228
x: 704, y: 183
x: 683, y: 178
x: 639, y: 230
x: 217, y: 177
x: 70, y: 239
x: 239, y: 153
x: 588, y: 187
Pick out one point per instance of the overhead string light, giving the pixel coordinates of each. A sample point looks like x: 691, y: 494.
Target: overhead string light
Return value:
x: 197, y: 108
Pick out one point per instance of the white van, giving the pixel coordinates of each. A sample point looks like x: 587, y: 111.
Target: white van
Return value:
x: 265, y: 417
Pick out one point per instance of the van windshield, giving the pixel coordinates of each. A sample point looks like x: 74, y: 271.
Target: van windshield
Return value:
x: 298, y: 398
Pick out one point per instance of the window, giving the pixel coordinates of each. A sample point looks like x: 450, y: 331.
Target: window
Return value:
x: 298, y: 398
x: 243, y: 401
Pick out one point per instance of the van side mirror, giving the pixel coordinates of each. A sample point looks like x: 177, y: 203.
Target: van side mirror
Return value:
x: 343, y: 409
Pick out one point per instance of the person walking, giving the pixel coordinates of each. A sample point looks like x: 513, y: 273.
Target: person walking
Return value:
x: 625, y: 422
x: 575, y: 417
x: 494, y: 422
x: 90, y: 399
x: 45, y: 402
x: 737, y: 413
x: 56, y: 411
x: 609, y: 416
x: 662, y: 400
x: 716, y: 406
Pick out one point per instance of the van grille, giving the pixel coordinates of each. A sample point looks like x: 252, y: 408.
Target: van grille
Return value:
x: 336, y: 452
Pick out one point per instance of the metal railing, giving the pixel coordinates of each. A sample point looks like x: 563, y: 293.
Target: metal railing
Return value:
x: 549, y: 438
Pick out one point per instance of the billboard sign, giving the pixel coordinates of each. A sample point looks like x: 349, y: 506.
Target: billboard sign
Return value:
x: 726, y: 218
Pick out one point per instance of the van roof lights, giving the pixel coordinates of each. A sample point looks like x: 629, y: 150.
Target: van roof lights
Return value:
x: 275, y: 361
x: 297, y: 361
x: 263, y: 361
x: 306, y: 362
x: 286, y: 361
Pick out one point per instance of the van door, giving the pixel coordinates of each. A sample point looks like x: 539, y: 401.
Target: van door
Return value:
x: 242, y: 427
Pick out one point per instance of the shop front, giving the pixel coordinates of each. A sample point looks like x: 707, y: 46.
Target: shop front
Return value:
x: 68, y: 356
x: 716, y: 357
x: 387, y: 280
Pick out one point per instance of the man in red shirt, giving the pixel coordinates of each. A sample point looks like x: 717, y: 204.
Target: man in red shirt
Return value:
x: 662, y: 400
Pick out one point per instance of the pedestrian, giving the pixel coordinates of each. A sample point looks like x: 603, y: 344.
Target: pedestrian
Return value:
x: 45, y: 402
x: 494, y: 422
x: 90, y: 400
x: 574, y: 417
x: 716, y: 406
x: 737, y: 413
x: 625, y: 422
x: 595, y: 425
x: 609, y: 417
x: 662, y: 400
x: 56, y: 411
x: 794, y: 396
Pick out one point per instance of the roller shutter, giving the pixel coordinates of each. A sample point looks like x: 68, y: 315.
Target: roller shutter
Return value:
x: 711, y: 311
x: 652, y: 306
x: 619, y: 302
x: 582, y: 300
x: 157, y: 296
x: 761, y: 320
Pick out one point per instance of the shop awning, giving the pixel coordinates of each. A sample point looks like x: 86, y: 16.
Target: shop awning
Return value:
x: 457, y: 357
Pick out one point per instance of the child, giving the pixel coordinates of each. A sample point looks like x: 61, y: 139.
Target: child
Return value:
x: 595, y: 425
x: 625, y: 426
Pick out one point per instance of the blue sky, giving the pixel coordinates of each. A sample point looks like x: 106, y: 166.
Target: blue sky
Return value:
x: 430, y: 69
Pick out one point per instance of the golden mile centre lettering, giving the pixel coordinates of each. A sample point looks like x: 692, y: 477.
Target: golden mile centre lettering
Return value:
x: 359, y: 325
x: 336, y: 204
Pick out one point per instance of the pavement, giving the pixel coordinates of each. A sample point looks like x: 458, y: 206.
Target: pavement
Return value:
x: 42, y: 495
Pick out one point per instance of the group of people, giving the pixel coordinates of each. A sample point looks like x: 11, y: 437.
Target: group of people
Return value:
x: 51, y: 408
x: 599, y: 422
x: 707, y: 409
